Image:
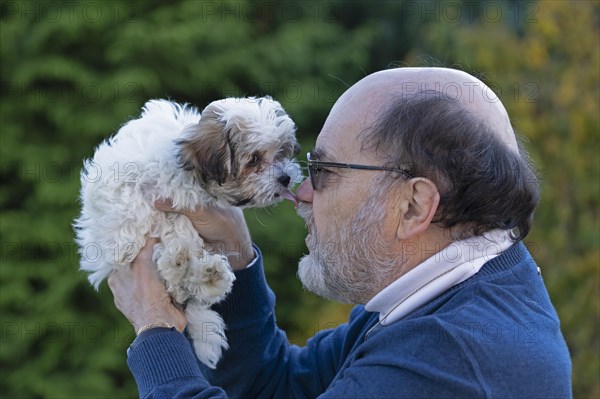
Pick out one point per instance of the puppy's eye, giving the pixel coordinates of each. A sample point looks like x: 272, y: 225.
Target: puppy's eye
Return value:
x: 254, y: 161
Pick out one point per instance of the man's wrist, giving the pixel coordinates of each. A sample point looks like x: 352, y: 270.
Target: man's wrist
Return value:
x: 243, y: 258
x: 160, y: 324
x: 156, y: 317
x: 238, y: 255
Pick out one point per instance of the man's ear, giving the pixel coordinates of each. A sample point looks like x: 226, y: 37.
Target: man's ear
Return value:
x: 420, y: 201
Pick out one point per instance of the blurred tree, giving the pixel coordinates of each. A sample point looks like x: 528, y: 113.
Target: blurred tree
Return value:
x: 72, y: 72
x: 545, y: 58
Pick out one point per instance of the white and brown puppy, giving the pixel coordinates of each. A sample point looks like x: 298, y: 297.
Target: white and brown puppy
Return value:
x: 237, y: 153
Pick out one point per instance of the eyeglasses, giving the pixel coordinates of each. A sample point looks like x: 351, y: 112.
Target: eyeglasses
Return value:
x: 316, y: 167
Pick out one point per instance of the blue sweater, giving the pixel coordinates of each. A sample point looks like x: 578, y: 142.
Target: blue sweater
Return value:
x: 496, y: 335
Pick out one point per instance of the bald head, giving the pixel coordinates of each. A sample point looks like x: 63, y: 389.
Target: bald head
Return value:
x: 446, y: 126
x: 365, y: 100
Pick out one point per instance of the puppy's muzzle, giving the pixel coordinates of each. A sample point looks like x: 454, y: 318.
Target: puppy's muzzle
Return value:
x: 284, y: 180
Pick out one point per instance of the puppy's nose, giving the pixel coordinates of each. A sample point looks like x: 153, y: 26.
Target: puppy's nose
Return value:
x: 284, y: 180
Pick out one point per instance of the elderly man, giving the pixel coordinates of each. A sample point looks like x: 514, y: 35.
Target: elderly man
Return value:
x: 417, y: 200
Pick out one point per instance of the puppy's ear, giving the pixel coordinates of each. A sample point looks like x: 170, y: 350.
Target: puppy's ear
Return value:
x: 264, y: 98
x: 205, y: 148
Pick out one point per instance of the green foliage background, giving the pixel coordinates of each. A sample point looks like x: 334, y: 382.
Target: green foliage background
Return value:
x: 73, y: 72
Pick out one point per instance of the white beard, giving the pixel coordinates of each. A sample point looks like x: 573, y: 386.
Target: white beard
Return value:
x: 350, y: 266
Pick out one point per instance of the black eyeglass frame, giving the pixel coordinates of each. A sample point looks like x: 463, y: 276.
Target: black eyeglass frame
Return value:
x: 314, y: 165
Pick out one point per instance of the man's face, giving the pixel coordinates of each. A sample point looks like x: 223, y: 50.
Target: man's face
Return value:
x: 347, y: 230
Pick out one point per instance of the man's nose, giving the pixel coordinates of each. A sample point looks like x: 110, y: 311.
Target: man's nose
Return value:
x: 305, y: 192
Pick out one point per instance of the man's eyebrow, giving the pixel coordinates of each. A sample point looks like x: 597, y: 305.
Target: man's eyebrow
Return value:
x: 318, y: 154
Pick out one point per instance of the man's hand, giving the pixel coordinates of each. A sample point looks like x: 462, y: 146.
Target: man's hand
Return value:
x: 140, y: 293
x: 223, y: 230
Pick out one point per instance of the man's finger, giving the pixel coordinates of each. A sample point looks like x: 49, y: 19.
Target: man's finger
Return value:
x: 146, y: 251
x: 111, y: 281
x: 165, y: 205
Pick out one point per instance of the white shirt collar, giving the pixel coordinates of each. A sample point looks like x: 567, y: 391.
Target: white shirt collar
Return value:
x: 447, y: 268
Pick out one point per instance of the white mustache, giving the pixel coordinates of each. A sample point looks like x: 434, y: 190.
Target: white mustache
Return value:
x: 304, y: 210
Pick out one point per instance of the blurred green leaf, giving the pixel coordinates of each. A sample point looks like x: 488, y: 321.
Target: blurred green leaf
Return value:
x: 73, y: 72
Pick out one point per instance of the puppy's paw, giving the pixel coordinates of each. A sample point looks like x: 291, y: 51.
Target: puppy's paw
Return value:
x: 211, y: 278
x: 207, y: 330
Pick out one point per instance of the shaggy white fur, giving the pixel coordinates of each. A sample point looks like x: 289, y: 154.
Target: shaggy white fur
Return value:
x: 237, y: 153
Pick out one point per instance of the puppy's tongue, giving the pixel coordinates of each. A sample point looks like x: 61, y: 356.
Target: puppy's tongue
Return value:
x: 288, y: 195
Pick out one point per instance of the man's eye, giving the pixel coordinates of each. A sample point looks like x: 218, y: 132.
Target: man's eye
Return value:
x: 321, y: 169
x: 322, y: 174
x: 324, y: 177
